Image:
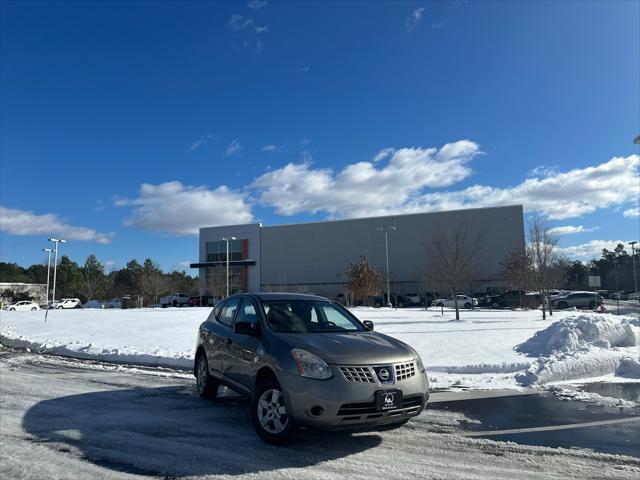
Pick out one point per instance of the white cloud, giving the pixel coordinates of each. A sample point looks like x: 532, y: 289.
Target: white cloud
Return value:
x: 270, y: 148
x: 382, y: 154
x: 631, y: 212
x: 413, y: 20
x: 202, y: 141
x: 172, y: 207
x: 363, y: 189
x: 569, y: 230
x: 564, y: 195
x: 256, y: 4
x: 233, y: 148
x: 591, y: 250
x: 21, y: 222
x: 239, y: 22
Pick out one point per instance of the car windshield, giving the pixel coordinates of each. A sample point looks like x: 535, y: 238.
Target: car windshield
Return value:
x: 308, y: 316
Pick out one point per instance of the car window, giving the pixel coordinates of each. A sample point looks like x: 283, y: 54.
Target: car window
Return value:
x: 228, y: 311
x: 307, y: 316
x: 247, y: 313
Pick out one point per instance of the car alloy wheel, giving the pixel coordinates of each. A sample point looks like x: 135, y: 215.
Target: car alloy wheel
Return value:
x: 272, y: 412
x: 562, y: 305
x: 269, y: 413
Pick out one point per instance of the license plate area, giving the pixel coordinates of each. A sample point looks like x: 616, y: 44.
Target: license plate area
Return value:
x: 388, y: 400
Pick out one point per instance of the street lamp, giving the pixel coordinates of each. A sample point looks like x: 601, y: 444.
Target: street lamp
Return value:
x: 55, y: 265
x: 386, y: 249
x: 48, y: 250
x: 228, y: 239
x: 633, y: 262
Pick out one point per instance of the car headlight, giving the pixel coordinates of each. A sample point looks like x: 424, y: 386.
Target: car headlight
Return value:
x: 419, y: 364
x: 310, y: 365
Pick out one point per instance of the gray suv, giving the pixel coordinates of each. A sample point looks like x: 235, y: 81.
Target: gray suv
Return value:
x: 305, y: 360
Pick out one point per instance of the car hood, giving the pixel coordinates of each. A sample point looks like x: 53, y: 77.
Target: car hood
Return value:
x: 357, y: 348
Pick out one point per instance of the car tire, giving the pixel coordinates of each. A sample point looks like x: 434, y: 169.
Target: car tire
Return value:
x: 562, y: 305
x: 206, y: 385
x: 467, y: 305
x: 34, y: 309
x: 12, y: 309
x: 58, y: 308
x: 439, y: 304
x: 495, y: 305
x: 377, y: 305
x: 269, y: 413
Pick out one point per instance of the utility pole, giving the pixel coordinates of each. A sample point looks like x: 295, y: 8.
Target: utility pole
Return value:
x: 386, y: 249
x: 48, y: 250
x: 633, y: 261
x: 228, y: 239
x: 55, y: 265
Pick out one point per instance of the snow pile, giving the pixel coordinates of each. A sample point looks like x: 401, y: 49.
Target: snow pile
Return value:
x: 580, y: 333
x: 583, y: 346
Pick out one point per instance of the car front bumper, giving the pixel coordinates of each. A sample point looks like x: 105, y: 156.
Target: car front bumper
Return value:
x: 337, y: 403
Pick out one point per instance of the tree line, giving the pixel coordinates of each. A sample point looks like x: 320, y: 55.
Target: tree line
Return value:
x: 91, y: 282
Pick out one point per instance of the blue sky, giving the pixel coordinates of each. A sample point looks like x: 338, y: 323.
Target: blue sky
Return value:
x: 126, y: 126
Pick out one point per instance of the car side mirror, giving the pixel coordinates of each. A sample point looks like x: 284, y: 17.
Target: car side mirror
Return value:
x: 246, y: 328
x: 368, y: 324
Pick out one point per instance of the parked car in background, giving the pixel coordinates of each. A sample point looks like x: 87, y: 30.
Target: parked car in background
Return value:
x: 67, y: 303
x: 577, y: 299
x: 634, y: 296
x: 201, y: 301
x: 622, y: 295
x: 603, y: 293
x: 450, y: 302
x: 514, y: 299
x: 113, y: 303
x: 414, y: 299
x: 174, y: 300
x: 24, y: 305
x: 305, y: 361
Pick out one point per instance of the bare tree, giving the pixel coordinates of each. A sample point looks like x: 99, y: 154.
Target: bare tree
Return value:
x: 363, y: 280
x: 516, y: 271
x: 217, y: 281
x: 542, y: 250
x: 453, y: 258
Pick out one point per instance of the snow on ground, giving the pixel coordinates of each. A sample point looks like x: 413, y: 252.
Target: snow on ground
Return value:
x: 585, y: 345
x: 476, y: 352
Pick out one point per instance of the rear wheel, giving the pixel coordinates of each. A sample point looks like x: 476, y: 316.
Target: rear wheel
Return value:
x: 206, y: 384
x: 562, y: 305
x: 269, y: 413
x: 467, y: 305
x: 496, y: 305
x: 34, y: 309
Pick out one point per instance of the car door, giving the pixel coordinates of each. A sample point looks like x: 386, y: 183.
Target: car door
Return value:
x: 217, y: 335
x: 242, y: 349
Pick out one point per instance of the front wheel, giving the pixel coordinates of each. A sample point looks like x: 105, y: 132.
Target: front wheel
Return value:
x: 12, y: 309
x: 34, y: 309
x: 207, y: 386
x: 562, y: 305
x: 467, y: 306
x: 269, y: 413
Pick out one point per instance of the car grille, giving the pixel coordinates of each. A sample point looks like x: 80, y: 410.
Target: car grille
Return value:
x: 410, y: 402
x: 357, y: 374
x: 405, y: 370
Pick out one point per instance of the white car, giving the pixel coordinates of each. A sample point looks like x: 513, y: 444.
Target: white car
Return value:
x: 25, y: 305
x: 68, y: 303
x: 634, y: 296
x: 450, y: 302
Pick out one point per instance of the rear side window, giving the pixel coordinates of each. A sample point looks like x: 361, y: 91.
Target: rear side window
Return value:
x: 247, y: 313
x: 228, y: 311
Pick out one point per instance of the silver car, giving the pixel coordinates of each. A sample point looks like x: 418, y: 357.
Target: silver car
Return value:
x: 304, y: 360
x: 576, y: 299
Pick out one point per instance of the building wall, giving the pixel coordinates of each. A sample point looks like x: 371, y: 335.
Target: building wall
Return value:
x: 317, y: 254
x: 313, y: 257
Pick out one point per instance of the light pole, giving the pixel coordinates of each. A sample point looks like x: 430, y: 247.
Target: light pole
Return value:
x: 55, y: 265
x: 633, y: 262
x: 48, y: 250
x: 228, y: 239
x: 615, y: 272
x: 386, y: 249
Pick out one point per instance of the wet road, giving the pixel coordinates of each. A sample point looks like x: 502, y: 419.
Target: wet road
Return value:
x: 574, y: 424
